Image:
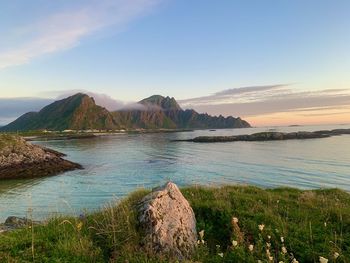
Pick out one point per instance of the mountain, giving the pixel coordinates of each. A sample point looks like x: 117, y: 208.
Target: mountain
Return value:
x: 79, y: 112
x: 164, y: 103
x: 75, y: 112
x: 166, y: 113
x: 152, y: 114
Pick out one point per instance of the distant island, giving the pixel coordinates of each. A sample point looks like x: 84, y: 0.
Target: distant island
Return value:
x: 80, y: 113
x: 269, y: 136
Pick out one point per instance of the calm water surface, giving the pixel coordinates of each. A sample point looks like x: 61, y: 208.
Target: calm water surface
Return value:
x: 116, y: 165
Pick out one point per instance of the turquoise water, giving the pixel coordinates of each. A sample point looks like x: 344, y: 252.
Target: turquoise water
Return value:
x: 116, y: 165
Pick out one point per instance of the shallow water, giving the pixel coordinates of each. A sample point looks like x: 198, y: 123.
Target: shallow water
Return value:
x: 116, y: 165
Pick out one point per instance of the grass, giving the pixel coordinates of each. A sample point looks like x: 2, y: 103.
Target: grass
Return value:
x: 312, y: 223
x: 7, y: 140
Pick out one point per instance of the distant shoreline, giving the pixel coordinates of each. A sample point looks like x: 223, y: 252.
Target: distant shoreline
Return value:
x: 269, y: 136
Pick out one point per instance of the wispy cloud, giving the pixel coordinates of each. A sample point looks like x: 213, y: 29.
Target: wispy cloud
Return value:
x: 64, y: 30
x: 264, y: 100
x: 235, y: 94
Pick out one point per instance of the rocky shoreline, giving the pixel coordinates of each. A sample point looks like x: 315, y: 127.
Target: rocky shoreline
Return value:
x: 269, y: 136
x: 20, y: 159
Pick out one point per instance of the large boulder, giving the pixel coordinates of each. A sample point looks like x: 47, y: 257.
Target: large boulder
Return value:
x: 168, y: 222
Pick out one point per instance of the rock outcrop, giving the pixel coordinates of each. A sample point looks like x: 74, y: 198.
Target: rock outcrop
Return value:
x: 21, y: 159
x: 168, y: 222
x: 14, y: 222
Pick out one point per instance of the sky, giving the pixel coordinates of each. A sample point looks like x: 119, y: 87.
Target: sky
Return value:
x: 270, y: 62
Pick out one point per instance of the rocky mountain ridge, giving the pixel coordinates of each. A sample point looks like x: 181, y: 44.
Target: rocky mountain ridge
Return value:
x: 80, y: 112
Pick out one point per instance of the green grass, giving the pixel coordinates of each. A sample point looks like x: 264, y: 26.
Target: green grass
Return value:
x: 312, y: 223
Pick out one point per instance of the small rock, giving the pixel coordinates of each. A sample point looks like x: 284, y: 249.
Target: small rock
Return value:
x: 17, y: 222
x: 168, y: 222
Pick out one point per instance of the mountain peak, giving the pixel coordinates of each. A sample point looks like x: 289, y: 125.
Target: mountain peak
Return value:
x: 165, y: 103
x: 78, y: 112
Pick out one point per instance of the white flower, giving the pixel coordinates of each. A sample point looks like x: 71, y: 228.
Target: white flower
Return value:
x: 325, y: 224
x: 261, y: 227
x: 268, y: 245
x: 259, y: 261
x: 251, y: 247
x: 234, y: 243
x: 323, y: 260
x: 235, y: 220
x: 221, y: 254
x: 269, y: 237
x: 270, y: 258
x: 202, y: 241
x: 217, y: 246
x: 284, y: 250
x: 282, y: 239
x: 336, y: 255
x: 198, y: 242
x: 295, y: 261
x: 201, y: 234
x: 280, y: 262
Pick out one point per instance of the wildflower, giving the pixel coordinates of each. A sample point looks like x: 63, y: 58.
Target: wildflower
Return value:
x: 259, y: 261
x: 284, y: 250
x: 202, y: 241
x: 278, y: 201
x: 269, y: 237
x: 336, y: 255
x: 251, y: 247
x: 282, y: 239
x: 280, y: 262
x: 198, y: 242
x: 268, y: 254
x: 270, y: 258
x: 82, y: 217
x: 268, y: 244
x: 201, y: 234
x: 261, y: 227
x: 217, y: 246
x: 234, y: 243
x: 325, y: 224
x: 323, y: 260
x: 295, y: 261
x: 79, y: 226
x: 234, y: 220
x: 221, y: 254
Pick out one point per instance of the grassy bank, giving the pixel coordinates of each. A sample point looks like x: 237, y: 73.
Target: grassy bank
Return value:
x: 308, y: 224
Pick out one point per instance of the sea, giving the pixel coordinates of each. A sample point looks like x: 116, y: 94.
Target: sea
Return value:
x: 116, y: 165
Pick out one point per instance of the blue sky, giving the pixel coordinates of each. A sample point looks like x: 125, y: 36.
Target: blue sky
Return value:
x: 131, y: 49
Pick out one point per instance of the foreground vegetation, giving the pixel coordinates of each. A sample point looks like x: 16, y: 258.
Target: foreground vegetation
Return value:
x: 235, y: 224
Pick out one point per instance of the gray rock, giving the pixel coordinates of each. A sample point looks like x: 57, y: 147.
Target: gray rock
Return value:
x: 17, y: 222
x: 14, y: 222
x: 168, y: 222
